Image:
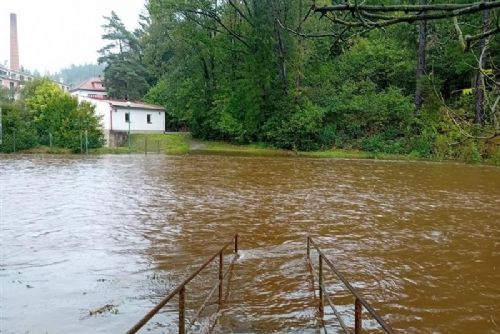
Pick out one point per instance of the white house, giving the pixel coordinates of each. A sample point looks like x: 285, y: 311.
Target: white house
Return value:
x: 93, y: 87
x: 118, y: 118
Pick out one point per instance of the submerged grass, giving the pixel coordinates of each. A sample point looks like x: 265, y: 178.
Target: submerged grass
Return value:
x: 222, y: 148
x: 182, y: 143
x: 46, y: 150
x: 354, y: 154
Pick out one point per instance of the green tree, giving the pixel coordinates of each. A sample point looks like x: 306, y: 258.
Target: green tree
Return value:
x: 125, y: 76
x: 18, y: 132
x: 58, y: 116
x: 254, y: 71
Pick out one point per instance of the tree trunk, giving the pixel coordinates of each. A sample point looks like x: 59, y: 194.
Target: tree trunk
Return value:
x: 297, y: 81
x: 421, y: 61
x: 479, y: 80
x: 280, y: 48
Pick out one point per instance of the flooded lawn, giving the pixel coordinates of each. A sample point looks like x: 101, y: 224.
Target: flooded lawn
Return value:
x: 90, y: 244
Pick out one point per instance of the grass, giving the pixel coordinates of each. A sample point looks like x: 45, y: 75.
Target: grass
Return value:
x: 46, y: 150
x: 354, y: 154
x: 172, y: 144
x: 222, y: 148
x: 181, y: 143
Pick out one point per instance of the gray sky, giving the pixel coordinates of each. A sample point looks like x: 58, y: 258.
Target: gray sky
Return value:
x: 54, y: 34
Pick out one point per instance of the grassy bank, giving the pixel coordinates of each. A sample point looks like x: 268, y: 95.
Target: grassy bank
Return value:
x: 172, y: 143
x: 46, y: 150
x: 222, y: 148
x: 182, y: 143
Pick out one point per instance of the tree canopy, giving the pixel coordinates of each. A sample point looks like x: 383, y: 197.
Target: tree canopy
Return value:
x: 46, y: 115
x: 247, y: 71
x: 124, y: 73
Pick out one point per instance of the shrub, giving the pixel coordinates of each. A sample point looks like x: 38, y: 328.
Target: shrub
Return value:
x: 17, y: 131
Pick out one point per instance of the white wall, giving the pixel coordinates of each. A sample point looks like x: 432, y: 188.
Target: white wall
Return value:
x: 102, y: 109
x: 86, y: 93
x: 138, y: 120
x: 114, y: 118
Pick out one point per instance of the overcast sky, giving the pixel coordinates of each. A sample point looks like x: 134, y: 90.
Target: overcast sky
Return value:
x: 53, y: 34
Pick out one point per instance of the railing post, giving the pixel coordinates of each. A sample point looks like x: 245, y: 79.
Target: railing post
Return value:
x: 182, y: 307
x: 321, y: 298
x: 358, y: 321
x: 236, y: 243
x: 221, y: 258
x: 308, y: 248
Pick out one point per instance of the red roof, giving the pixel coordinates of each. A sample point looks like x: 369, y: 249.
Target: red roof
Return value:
x: 95, y: 84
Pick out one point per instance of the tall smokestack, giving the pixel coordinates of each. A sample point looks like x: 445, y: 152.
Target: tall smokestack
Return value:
x: 14, y: 47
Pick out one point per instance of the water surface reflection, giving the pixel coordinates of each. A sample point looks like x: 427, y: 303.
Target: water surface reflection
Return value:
x: 420, y: 240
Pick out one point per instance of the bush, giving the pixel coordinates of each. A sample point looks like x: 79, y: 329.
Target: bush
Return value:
x: 57, y: 114
x: 302, y: 129
x: 18, y: 132
x: 470, y: 153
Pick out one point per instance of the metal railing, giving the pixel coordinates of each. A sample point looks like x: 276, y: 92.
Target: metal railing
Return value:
x: 359, y: 302
x: 181, y: 291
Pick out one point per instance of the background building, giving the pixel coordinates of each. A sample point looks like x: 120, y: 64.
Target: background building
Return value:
x: 93, y: 87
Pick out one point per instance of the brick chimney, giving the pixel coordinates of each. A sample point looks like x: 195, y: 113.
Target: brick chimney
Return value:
x: 14, y: 47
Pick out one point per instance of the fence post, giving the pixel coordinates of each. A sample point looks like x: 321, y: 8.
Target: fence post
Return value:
x: 236, y: 243
x: 145, y: 145
x: 182, y: 309
x: 308, y: 248
x: 50, y: 140
x: 358, y: 321
x: 81, y: 143
x: 86, y: 142
x: 321, y: 301
x: 221, y: 263
x: 14, y: 142
x: 158, y: 146
x: 1, y: 127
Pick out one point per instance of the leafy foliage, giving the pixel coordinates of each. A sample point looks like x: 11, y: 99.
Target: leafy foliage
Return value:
x: 18, y: 133
x: 125, y: 76
x: 233, y: 71
x: 47, y: 115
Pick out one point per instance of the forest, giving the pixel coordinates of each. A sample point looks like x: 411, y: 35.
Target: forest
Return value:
x: 405, y: 77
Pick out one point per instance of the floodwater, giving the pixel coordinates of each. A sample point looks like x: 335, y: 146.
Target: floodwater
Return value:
x: 420, y: 241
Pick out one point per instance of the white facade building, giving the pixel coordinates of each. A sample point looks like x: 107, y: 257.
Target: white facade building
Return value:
x: 15, y: 80
x: 93, y: 87
x: 120, y: 117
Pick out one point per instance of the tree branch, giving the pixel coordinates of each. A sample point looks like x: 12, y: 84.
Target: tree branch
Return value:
x: 240, y: 12
x: 406, y: 8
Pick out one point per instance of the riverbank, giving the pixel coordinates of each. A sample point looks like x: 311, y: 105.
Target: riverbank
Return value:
x: 181, y: 143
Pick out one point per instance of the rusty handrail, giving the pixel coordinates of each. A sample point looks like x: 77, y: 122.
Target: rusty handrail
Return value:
x: 181, y: 290
x: 359, y: 301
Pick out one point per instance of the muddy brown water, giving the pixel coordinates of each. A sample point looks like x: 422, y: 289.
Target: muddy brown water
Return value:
x: 420, y: 241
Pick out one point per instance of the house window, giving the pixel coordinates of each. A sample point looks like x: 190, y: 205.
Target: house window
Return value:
x: 127, y: 117
x: 148, y: 117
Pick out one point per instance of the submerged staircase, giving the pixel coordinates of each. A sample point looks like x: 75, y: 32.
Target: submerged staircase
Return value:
x: 230, y: 249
